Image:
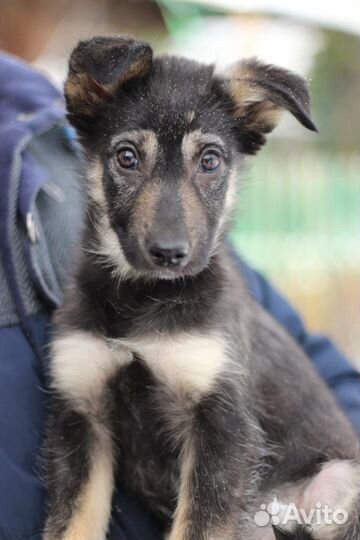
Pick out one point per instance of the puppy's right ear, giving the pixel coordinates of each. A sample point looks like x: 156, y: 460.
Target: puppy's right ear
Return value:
x: 97, y: 69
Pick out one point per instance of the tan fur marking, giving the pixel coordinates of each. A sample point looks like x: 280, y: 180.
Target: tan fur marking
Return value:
x: 137, y: 69
x: 181, y: 523
x: 81, y: 365
x: 144, y: 211
x: 192, y: 209
x: 231, y: 193
x: 95, y: 182
x: 241, y: 81
x: 187, y: 363
x: 229, y: 206
x: 111, y: 251
x: 75, y: 88
x: 92, y: 511
x: 85, y: 93
x: 150, y: 145
x: 181, y: 518
x: 268, y: 116
x: 195, y: 140
x: 190, y: 115
x: 262, y: 116
x: 261, y: 113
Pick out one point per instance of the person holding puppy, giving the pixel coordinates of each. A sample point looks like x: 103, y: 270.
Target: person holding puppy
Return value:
x: 39, y: 220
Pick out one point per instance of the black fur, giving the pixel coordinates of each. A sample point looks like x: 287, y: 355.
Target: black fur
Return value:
x: 68, y: 453
x: 267, y: 420
x: 300, y: 534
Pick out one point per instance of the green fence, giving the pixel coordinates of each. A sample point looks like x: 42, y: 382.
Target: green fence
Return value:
x: 300, y: 210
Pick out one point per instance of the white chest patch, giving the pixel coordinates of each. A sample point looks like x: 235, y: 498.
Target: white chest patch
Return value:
x: 185, y: 362
x: 82, y: 363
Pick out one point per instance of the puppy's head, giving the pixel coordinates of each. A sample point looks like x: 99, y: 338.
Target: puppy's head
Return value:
x: 165, y: 137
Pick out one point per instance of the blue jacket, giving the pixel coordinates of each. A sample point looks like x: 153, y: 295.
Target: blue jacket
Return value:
x: 39, y: 200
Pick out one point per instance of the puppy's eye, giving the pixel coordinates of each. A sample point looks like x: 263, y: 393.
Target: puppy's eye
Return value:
x: 209, y: 162
x: 127, y: 159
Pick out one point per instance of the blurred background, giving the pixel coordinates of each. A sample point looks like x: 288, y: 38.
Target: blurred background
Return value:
x: 299, y: 209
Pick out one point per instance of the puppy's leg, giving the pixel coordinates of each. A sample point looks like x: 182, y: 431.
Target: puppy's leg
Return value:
x: 335, y: 493
x: 213, y: 472
x: 327, y: 507
x: 80, y: 478
x: 80, y: 456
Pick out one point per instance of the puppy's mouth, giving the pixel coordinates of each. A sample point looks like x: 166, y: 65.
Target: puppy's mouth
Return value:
x: 148, y: 269
x: 171, y: 273
x: 164, y: 271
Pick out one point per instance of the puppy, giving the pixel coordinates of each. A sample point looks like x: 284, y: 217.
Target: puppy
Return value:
x: 164, y: 370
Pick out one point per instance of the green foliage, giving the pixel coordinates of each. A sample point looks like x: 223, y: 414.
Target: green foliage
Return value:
x: 294, y: 203
x: 335, y: 91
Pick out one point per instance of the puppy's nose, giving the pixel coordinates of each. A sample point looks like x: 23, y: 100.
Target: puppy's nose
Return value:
x: 166, y: 254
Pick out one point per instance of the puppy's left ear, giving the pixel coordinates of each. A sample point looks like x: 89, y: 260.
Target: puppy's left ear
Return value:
x: 260, y: 93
